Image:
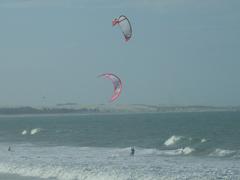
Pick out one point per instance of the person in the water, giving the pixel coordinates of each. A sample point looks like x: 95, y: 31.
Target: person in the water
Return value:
x: 132, y: 151
x: 9, y: 148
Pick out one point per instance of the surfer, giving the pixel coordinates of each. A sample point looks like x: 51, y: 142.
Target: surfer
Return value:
x: 9, y: 148
x: 132, y: 151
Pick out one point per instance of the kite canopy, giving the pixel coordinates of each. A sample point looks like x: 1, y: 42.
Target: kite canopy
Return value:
x: 117, y: 84
x: 125, y: 26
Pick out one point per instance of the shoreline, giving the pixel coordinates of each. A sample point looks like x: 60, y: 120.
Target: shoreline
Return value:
x: 109, y: 113
x: 107, y: 109
x: 115, y: 112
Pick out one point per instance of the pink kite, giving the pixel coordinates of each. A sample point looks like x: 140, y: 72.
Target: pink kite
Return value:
x: 117, y: 84
x: 125, y: 26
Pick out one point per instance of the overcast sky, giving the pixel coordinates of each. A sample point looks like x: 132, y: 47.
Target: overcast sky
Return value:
x: 184, y: 52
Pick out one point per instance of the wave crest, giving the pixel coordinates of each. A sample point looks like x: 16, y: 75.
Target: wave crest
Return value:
x: 172, y: 140
x: 35, y: 131
x: 24, y: 132
x: 222, y: 153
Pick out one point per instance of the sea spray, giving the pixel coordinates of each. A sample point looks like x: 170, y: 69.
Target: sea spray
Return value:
x: 177, y: 152
x: 35, y: 131
x: 187, y: 150
x: 172, y: 140
x: 24, y: 132
x: 222, y: 153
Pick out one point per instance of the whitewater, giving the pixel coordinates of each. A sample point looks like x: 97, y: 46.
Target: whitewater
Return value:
x: 167, y: 146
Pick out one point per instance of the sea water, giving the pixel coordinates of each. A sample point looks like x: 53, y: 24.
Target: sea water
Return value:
x: 193, y: 145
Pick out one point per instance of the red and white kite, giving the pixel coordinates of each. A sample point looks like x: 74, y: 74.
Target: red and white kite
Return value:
x: 117, y: 84
x: 125, y: 26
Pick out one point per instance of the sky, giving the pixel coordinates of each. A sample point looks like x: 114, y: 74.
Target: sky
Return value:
x: 182, y: 52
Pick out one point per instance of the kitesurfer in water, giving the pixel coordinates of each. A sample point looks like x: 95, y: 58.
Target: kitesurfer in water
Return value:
x: 132, y: 151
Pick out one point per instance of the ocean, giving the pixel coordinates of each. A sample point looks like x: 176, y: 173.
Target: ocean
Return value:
x: 175, y: 146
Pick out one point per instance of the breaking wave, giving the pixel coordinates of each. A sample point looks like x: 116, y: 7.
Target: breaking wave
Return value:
x: 187, y: 150
x: 222, y: 153
x: 35, y: 131
x: 172, y: 140
x: 24, y: 132
x: 180, y: 151
x: 184, y: 141
x: 172, y: 152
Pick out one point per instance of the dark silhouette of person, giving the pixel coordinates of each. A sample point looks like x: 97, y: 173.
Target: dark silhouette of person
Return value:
x: 132, y: 151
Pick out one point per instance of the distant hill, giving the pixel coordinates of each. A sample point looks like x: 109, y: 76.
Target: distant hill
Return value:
x: 102, y: 108
x: 31, y: 110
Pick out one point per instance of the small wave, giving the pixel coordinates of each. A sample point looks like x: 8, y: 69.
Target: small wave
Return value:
x: 174, y: 152
x: 172, y: 140
x: 222, y: 153
x: 35, y: 131
x: 181, y: 151
x: 203, y: 140
x: 24, y: 132
x: 187, y: 150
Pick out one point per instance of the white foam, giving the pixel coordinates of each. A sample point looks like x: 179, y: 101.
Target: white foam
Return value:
x: 24, y: 132
x: 147, y: 152
x: 172, y: 140
x: 35, y: 131
x: 151, y: 152
x: 90, y: 163
x: 222, y: 153
x: 203, y: 140
x: 174, y: 152
x: 181, y: 151
x: 67, y: 173
x: 187, y: 150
